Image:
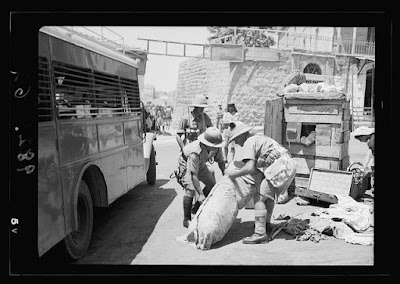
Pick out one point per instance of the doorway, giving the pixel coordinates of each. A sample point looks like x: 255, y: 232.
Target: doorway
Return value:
x: 368, y: 87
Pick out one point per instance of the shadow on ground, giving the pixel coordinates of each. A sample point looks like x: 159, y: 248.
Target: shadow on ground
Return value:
x: 120, y: 231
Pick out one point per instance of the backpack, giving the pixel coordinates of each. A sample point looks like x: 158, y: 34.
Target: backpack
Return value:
x: 181, y: 171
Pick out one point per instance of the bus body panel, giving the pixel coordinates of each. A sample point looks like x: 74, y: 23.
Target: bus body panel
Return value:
x: 65, y: 52
x: 135, y: 168
x: 135, y: 161
x: 110, y: 135
x: 112, y: 141
x: 77, y: 140
x: 51, y: 228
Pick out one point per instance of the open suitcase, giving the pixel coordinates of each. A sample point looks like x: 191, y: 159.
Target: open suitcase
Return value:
x: 324, y: 184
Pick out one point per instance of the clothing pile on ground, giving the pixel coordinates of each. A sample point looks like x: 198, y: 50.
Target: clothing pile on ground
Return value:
x: 349, y: 220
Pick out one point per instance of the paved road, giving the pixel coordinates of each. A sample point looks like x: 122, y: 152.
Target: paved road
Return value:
x: 141, y: 227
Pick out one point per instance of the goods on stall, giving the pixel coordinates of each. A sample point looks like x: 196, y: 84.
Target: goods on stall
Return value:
x: 308, y: 88
x: 218, y: 211
x: 292, y: 88
x: 295, y: 77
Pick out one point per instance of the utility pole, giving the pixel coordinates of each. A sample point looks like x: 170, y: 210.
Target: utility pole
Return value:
x: 353, y: 47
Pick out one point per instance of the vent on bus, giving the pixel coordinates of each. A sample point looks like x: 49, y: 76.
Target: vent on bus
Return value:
x: 83, y: 93
x: 45, y: 107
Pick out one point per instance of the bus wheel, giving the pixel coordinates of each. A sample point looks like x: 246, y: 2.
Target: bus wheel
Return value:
x: 152, y: 171
x: 77, y: 242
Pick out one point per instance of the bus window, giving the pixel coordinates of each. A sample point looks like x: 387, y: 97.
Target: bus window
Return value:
x: 45, y: 108
x: 73, y: 88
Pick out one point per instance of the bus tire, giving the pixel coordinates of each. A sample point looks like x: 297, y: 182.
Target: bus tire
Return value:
x: 152, y: 171
x: 77, y: 242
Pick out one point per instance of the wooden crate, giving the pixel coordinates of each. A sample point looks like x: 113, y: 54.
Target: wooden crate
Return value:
x: 331, y: 148
x: 316, y: 111
x: 273, y: 120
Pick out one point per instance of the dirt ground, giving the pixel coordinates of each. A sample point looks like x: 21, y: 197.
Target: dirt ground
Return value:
x: 141, y: 229
x: 162, y: 248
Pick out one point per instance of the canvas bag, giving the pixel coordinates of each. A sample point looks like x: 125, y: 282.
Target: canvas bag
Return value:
x: 280, y: 171
x: 181, y: 171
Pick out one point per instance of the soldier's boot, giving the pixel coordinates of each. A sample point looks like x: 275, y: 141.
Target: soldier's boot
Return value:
x: 206, y: 192
x: 260, y: 231
x: 187, y: 208
x: 195, y: 208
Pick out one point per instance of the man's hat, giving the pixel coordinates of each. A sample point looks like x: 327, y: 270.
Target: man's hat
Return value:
x: 212, y: 137
x: 231, y: 103
x: 200, y: 101
x: 237, y: 128
x: 363, y: 130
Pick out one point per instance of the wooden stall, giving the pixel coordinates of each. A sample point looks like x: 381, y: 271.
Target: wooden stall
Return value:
x: 326, y: 113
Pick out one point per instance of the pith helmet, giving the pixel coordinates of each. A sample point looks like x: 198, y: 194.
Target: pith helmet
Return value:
x: 363, y: 130
x: 212, y: 137
x: 200, y: 101
x: 238, y: 129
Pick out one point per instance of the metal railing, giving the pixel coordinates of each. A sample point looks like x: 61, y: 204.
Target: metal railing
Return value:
x: 363, y: 116
x: 101, y: 36
x: 360, y: 47
x: 285, y: 40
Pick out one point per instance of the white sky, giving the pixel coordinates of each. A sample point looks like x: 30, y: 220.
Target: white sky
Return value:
x: 162, y: 71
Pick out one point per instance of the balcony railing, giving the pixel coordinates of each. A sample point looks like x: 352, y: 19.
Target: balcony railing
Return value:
x: 285, y: 40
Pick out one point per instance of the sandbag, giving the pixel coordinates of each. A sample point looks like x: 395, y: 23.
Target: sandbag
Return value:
x: 219, y: 210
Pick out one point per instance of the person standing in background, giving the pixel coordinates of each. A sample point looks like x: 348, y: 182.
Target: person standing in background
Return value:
x: 367, y: 135
x: 159, y: 121
x: 229, y: 116
x: 197, y: 122
x: 220, y: 114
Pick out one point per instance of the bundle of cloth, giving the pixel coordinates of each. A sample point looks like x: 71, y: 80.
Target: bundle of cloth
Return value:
x: 218, y: 211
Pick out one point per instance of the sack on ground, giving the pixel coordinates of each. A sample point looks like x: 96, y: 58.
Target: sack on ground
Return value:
x: 219, y: 210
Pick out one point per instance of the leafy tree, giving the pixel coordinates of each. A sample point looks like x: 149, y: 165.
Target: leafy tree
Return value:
x: 247, y: 37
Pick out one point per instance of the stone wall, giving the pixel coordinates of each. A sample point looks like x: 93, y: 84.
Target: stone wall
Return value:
x: 252, y: 84
x: 249, y: 84
x: 200, y: 76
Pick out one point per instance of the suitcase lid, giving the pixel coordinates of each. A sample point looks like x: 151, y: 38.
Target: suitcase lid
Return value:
x: 330, y: 181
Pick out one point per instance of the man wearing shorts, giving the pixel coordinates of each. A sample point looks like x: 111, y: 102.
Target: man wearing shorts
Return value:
x: 260, y: 151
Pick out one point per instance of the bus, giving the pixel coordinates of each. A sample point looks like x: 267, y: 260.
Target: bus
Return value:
x: 92, y: 141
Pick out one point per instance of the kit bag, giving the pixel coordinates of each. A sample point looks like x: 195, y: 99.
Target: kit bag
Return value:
x: 180, y: 172
x: 280, y: 171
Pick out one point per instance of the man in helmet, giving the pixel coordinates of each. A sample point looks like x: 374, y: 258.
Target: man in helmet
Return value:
x: 260, y: 151
x: 208, y: 147
x: 198, y: 121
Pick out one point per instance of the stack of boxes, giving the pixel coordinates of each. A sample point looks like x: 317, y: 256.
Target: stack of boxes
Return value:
x: 328, y: 114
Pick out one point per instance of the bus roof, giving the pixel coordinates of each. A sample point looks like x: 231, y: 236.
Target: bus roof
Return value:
x: 65, y: 35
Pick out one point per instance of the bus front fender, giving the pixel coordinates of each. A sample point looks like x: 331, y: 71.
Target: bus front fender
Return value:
x: 147, y: 146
